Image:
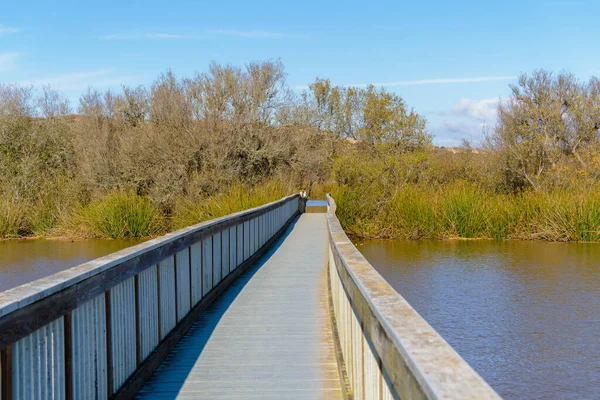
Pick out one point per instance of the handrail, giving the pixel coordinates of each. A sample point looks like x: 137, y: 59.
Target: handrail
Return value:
x: 390, y: 351
x: 99, y: 329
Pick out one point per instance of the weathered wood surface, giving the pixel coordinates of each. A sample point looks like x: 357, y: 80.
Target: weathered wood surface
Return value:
x: 267, y: 336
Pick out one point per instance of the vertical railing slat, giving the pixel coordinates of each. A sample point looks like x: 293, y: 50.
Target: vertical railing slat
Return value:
x: 217, y: 271
x: 68, y: 347
x: 196, y: 272
x: 182, y: 265
x: 123, y: 331
x: 232, y: 248
x: 224, y: 253
x: 168, y: 310
x: 136, y: 291
x: 246, y: 240
x: 207, y: 266
x: 148, y: 308
x: 240, y: 244
x: 109, y: 358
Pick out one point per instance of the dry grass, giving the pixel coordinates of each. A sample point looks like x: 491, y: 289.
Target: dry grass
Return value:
x: 238, y: 197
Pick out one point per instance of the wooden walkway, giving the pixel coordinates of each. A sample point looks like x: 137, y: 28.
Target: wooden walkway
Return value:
x: 268, y: 336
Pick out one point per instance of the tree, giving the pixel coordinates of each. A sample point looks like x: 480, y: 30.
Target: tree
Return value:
x: 370, y: 115
x: 386, y: 120
x: 549, y: 123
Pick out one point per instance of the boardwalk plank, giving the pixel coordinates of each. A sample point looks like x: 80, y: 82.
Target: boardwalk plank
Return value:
x: 268, y: 336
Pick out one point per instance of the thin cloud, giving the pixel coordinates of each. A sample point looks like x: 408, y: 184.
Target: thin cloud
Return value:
x: 80, y: 80
x: 441, y: 81
x: 254, y: 34
x: 4, y: 30
x: 68, y: 78
x: 8, y: 61
x: 149, y: 36
x: 464, y: 128
x: 221, y: 32
x: 118, y: 37
x: 171, y: 36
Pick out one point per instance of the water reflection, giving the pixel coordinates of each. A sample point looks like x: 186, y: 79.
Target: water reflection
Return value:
x: 525, y: 315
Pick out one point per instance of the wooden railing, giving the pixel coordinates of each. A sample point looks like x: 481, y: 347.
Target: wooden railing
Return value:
x: 98, y: 330
x: 389, y: 351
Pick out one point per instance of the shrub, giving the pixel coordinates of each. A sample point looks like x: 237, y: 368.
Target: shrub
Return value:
x: 12, y: 218
x: 119, y: 215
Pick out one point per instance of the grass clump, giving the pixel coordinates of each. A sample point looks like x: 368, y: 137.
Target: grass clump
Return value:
x: 12, y: 218
x: 570, y: 217
x: 118, y: 215
x: 463, y: 210
x: 412, y: 214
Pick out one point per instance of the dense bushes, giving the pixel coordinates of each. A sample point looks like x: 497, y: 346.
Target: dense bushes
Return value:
x: 145, y: 160
x: 149, y: 159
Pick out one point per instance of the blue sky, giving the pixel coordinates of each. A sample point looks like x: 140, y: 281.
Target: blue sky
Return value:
x: 450, y: 61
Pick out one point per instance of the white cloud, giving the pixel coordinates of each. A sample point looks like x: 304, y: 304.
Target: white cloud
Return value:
x: 473, y: 118
x: 7, y: 29
x: 8, y: 61
x: 480, y: 110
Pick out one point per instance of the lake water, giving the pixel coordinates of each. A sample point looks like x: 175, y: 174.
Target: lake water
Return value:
x: 524, y: 315
x: 22, y: 261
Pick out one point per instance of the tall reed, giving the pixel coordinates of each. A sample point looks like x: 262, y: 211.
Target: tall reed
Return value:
x: 118, y: 215
x: 12, y: 218
x: 464, y: 210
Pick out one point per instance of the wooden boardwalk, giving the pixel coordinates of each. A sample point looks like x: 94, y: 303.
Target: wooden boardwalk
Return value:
x: 268, y: 336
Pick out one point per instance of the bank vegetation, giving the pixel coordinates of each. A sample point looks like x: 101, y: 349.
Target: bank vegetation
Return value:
x: 146, y: 160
